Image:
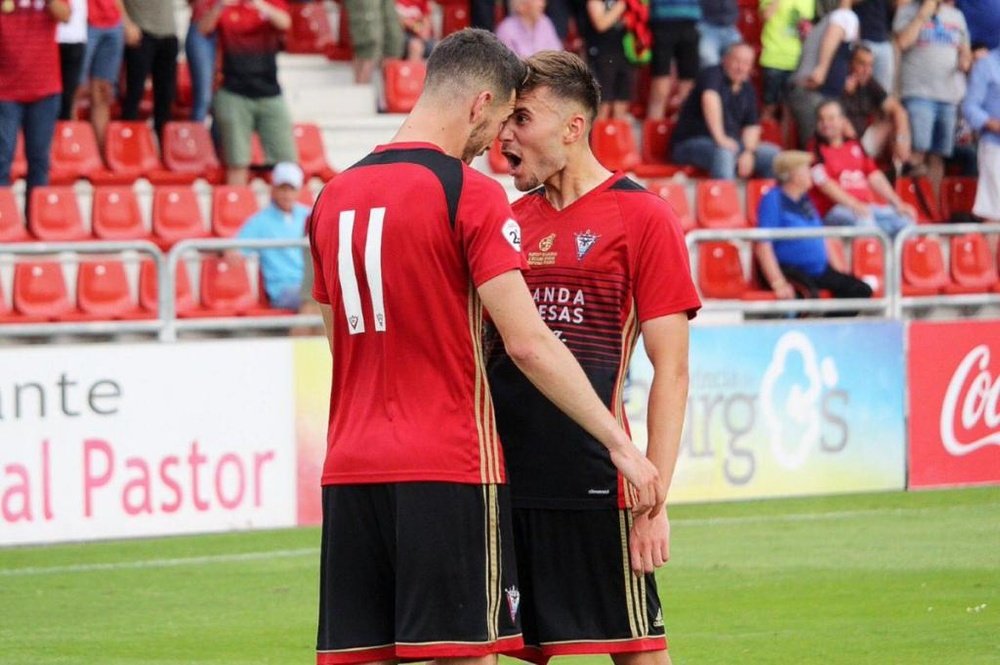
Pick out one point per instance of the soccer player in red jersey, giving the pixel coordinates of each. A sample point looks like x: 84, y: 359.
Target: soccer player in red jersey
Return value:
x: 409, y: 245
x: 608, y: 262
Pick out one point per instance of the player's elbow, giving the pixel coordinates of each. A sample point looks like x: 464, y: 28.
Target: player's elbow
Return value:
x: 527, y: 350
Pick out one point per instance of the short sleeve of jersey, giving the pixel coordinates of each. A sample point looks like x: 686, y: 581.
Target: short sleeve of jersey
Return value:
x: 319, y: 292
x: 661, y: 272
x: 490, y: 236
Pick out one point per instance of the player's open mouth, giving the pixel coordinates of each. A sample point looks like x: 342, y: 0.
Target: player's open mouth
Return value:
x: 512, y: 159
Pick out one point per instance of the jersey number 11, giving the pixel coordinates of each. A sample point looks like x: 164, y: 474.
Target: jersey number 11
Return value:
x: 373, y: 270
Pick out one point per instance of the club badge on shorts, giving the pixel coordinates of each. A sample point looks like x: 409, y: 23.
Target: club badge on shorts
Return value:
x: 513, y: 602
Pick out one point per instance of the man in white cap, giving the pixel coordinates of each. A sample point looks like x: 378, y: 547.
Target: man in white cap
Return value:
x: 283, y: 218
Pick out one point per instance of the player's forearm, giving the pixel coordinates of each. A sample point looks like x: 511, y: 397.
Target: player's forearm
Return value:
x: 666, y: 340
x: 327, y: 312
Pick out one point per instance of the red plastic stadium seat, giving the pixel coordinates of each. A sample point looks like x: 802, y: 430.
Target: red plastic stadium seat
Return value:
x: 312, y: 153
x: 404, y: 81
x: 74, y: 153
x: 614, y: 144
x: 675, y: 193
x: 718, y: 205
x: 907, y: 190
x: 720, y: 270
x: 225, y: 288
x: 654, y: 160
x: 868, y: 263
x: 176, y: 215
x: 972, y: 267
x: 750, y: 26
x: 11, y: 224
x: 115, y: 214
x: 923, y: 267
x: 130, y: 149
x: 310, y: 31
x: 454, y: 17
x: 231, y: 206
x: 188, y: 148
x: 958, y: 195
x: 55, y: 215
x: 498, y: 163
x: 149, y: 295
x: 40, y: 291
x: 770, y: 131
x: 102, y: 291
x: 756, y: 189
x: 19, y: 167
x: 343, y: 48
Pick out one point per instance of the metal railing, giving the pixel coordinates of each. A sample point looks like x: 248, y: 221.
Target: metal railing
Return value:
x: 882, y: 305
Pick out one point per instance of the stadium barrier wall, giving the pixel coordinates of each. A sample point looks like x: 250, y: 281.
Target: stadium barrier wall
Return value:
x: 954, y: 399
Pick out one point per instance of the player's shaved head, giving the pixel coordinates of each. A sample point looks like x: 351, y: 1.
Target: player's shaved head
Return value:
x: 470, y: 60
x: 567, y: 77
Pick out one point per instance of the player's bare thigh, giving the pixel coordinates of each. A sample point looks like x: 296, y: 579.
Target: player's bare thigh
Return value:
x: 661, y: 657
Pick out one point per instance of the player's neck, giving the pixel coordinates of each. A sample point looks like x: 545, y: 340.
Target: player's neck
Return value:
x: 443, y: 128
x: 581, y: 175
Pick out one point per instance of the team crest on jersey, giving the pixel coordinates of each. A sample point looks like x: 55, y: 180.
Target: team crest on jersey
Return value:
x: 545, y: 244
x: 513, y: 602
x: 584, y: 241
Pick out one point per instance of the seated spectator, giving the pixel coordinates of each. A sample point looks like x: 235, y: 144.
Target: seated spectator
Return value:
x: 200, y: 51
x: 250, y: 97
x: 847, y: 180
x: 109, y: 29
x: 805, y: 263
x: 72, y: 38
x: 418, y: 32
x: 717, y: 30
x: 674, y: 24
x: 376, y: 34
x: 283, y: 218
x: 981, y: 109
x: 934, y: 40
x: 528, y: 30
x: 781, y: 46
x: 603, y: 33
x: 718, y: 129
x: 29, y: 85
x: 826, y: 55
x: 156, y: 54
x: 877, y: 118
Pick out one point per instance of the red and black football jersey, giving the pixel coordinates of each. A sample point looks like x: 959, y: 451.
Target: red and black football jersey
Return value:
x: 599, y: 268
x: 400, y: 242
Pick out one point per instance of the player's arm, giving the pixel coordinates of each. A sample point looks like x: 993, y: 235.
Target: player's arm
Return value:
x: 551, y: 367
x: 666, y: 341
x: 327, y: 312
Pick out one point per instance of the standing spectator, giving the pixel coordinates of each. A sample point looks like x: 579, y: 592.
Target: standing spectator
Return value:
x: 981, y: 109
x: 376, y: 34
x: 72, y: 38
x: 603, y: 33
x: 250, y: 97
x: 156, y: 54
x: 415, y: 16
x: 199, y: 48
x: 109, y: 29
x: 718, y: 129
x: 935, y: 43
x: 847, y: 180
x: 283, y: 219
x: 674, y: 24
x: 30, y: 84
x: 807, y: 263
x: 717, y: 30
x: 822, y: 70
x: 528, y: 30
x: 877, y: 118
x: 781, y: 44
x: 983, y: 19
x: 875, y: 21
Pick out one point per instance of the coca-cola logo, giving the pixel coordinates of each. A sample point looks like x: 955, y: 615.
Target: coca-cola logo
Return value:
x: 971, y: 406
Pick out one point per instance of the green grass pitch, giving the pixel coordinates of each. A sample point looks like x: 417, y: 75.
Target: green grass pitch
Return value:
x: 876, y: 578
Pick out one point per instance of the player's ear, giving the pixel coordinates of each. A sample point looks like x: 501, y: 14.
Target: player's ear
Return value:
x: 479, y: 106
x: 575, y: 128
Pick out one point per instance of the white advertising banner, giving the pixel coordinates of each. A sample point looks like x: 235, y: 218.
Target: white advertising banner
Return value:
x: 130, y: 440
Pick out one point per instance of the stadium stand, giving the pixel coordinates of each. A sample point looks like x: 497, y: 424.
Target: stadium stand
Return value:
x: 176, y: 215
x: 188, y: 149
x: 149, y: 289
x: 404, y: 81
x: 102, y: 292
x: 675, y: 193
x: 12, y: 227
x: 973, y: 268
x: 614, y: 144
x: 55, y: 215
x: 115, y: 214
x: 231, y: 206
x: 718, y: 205
x: 868, y: 263
x: 310, y: 31
x: 923, y: 200
x: 131, y: 153
x: 40, y: 291
x: 958, y: 194
x: 74, y: 153
x: 312, y: 152
x: 756, y: 189
x: 923, y: 267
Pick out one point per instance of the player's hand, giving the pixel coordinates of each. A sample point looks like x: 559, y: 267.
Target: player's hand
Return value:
x: 649, y: 544
x: 643, y: 476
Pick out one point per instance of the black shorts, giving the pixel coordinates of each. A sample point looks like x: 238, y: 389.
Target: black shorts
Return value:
x: 415, y: 571
x: 615, y: 74
x: 675, y: 40
x: 578, y: 594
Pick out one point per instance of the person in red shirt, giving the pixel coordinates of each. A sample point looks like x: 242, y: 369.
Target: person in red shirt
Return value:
x: 30, y: 83
x: 411, y: 247
x: 109, y: 29
x: 608, y: 263
x: 415, y: 16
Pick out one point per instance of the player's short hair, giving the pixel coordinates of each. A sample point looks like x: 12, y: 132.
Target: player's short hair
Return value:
x: 470, y: 58
x: 567, y: 76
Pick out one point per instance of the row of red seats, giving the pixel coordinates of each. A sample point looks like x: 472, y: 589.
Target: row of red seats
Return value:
x: 131, y: 152
x: 102, y: 292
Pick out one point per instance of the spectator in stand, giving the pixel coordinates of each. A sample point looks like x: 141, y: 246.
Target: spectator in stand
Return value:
x: 801, y: 266
x: 876, y: 117
x: 674, y: 24
x: 284, y: 218
x: 30, y: 85
x: 934, y: 40
x: 822, y: 70
x: 199, y: 48
x: 603, y: 33
x: 376, y: 34
x: 156, y: 54
x: 482, y: 14
x: 415, y: 16
x: 847, y: 180
x: 983, y: 19
x: 528, y: 30
x: 784, y: 23
x: 719, y: 129
x: 874, y: 23
x: 717, y: 30
x: 109, y: 29
x: 250, y: 98
x: 72, y: 38
x: 981, y: 109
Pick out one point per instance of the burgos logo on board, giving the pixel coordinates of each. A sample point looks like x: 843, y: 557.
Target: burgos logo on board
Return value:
x: 972, y: 400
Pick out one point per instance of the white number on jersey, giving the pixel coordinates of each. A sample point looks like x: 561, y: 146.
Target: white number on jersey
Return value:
x: 347, y: 272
